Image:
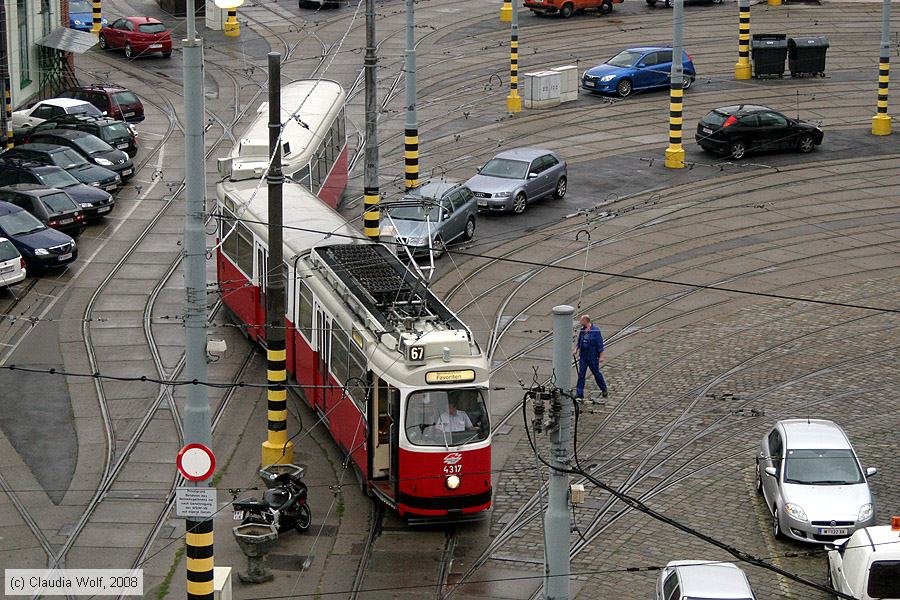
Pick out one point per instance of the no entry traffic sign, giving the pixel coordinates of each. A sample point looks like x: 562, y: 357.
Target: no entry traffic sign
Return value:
x: 196, y: 462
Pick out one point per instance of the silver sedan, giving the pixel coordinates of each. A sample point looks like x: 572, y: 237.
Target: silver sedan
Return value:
x: 513, y: 178
x: 812, y: 481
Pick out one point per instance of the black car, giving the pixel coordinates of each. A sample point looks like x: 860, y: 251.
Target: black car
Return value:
x: 42, y: 247
x: 89, y: 146
x: 52, y: 206
x: 736, y: 130
x: 95, y: 203
x: 67, y: 159
x: 115, y: 133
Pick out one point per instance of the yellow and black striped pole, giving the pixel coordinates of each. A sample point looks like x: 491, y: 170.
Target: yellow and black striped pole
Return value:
x: 675, y: 151
x: 411, y: 131
x: 513, y: 101
x: 7, y: 112
x: 96, y: 13
x: 881, y: 122
x: 371, y: 214
x: 199, y: 553
x: 232, y: 27
x: 742, y: 69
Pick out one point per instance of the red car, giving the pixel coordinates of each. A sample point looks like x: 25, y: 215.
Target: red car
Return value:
x: 118, y: 102
x: 138, y: 36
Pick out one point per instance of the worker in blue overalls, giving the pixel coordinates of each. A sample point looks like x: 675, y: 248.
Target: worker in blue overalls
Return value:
x: 589, y: 352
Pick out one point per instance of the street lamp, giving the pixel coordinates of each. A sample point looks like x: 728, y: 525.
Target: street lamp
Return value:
x: 232, y: 27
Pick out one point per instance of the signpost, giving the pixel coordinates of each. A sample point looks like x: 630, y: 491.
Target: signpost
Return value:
x: 196, y: 462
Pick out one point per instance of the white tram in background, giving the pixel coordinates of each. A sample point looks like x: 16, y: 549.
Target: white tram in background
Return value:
x: 313, y: 141
x: 399, y: 381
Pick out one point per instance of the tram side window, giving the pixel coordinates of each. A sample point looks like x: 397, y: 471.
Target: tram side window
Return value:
x: 244, y: 249
x: 340, y: 355
x: 315, y: 173
x: 356, y: 377
x: 302, y: 176
x: 328, y: 147
x: 446, y: 417
x: 305, y: 317
x: 323, y: 165
x: 340, y: 134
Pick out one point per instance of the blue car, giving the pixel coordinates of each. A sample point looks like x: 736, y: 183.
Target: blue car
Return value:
x: 81, y: 15
x: 42, y: 247
x: 636, y: 69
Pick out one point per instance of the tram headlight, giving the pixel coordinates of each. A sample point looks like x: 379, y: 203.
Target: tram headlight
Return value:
x: 452, y: 482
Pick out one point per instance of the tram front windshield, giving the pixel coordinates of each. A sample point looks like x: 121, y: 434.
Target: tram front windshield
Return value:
x: 446, y: 417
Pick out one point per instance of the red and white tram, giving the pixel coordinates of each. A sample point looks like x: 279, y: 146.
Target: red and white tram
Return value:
x: 313, y: 140
x: 396, y: 377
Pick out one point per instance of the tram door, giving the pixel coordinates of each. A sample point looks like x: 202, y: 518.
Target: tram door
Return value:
x: 384, y: 411
x: 322, y: 337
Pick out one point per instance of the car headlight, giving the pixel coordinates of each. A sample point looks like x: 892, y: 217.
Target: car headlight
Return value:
x: 118, y: 178
x: 95, y: 183
x: 104, y: 162
x: 606, y: 78
x: 866, y: 511
x: 42, y: 252
x: 452, y: 482
x: 795, y: 511
x: 502, y: 194
x: 86, y: 205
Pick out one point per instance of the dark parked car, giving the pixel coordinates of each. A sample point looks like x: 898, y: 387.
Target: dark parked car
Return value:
x: 433, y: 215
x: 41, y: 247
x: 513, y: 178
x: 69, y: 160
x: 94, y: 202
x: 118, y: 102
x: 115, y: 133
x: 736, y: 130
x: 137, y: 36
x: 52, y: 206
x: 89, y: 146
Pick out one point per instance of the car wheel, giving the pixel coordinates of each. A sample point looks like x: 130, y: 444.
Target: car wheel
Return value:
x: 606, y: 8
x: 101, y: 41
x: 560, y: 188
x: 128, y: 51
x: 469, y: 231
x: 776, y: 525
x: 806, y: 144
x: 651, y: 2
x: 567, y: 10
x: 624, y: 88
x: 520, y: 203
x: 759, y: 489
x: 303, y: 520
x: 687, y: 83
x: 717, y: 1
x: 737, y: 150
x: 668, y: 3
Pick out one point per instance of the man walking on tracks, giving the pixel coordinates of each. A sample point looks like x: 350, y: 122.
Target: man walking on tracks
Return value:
x: 589, y: 352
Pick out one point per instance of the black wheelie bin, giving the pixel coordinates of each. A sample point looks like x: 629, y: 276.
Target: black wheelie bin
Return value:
x: 769, y: 51
x: 806, y: 56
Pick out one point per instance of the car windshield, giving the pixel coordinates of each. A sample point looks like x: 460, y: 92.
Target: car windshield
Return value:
x: 114, y: 131
x: 92, y: 144
x: 415, y: 210
x: 8, y: 251
x: 624, y: 59
x: 125, y: 98
x: 58, y: 202
x: 822, y: 467
x: 20, y: 223
x: 83, y: 109
x: 79, y: 6
x: 68, y: 159
x: 446, y: 417
x: 151, y: 28
x: 505, y: 168
x: 57, y: 178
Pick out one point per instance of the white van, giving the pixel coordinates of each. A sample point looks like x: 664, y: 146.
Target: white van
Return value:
x: 867, y: 564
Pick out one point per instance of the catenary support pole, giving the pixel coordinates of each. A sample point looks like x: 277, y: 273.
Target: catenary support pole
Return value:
x: 97, y: 17
x: 197, y: 424
x: 881, y: 122
x: 411, y: 135
x: 675, y: 151
x: 277, y: 448
x: 6, y: 137
x: 371, y: 214
x: 742, y: 69
x: 514, y: 101
x: 7, y: 112
x: 557, y: 526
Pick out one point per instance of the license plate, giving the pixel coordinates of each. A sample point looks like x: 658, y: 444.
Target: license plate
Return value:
x: 833, y: 531
x: 588, y: 84
x: 238, y: 515
x: 707, y: 130
x: 156, y: 45
x: 65, y: 256
x: 482, y: 203
x: 127, y: 172
x: 8, y: 269
x: 104, y: 209
x: 129, y: 114
x: 65, y: 221
x: 110, y: 188
x: 122, y: 146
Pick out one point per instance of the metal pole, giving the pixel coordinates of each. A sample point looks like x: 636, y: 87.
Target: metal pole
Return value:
x: 742, y: 69
x: 97, y: 16
x: 675, y: 151
x: 881, y: 122
x: 7, y: 135
x: 514, y: 101
x: 411, y: 135
x: 371, y: 215
x: 197, y: 425
x: 557, y: 525
x: 277, y: 448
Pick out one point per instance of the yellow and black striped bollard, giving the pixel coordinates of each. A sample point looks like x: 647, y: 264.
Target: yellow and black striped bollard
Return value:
x: 411, y: 157
x: 277, y: 449
x: 514, y: 101
x: 232, y: 27
x: 371, y: 214
x: 199, y: 552
x: 881, y: 122
x: 742, y: 69
x: 675, y: 151
x: 96, y: 13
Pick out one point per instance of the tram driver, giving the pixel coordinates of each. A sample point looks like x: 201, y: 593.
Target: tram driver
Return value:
x: 453, y: 420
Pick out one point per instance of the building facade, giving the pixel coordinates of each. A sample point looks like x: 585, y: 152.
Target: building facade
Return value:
x: 29, y: 67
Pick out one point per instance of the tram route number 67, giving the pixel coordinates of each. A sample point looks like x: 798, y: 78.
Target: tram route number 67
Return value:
x: 417, y: 353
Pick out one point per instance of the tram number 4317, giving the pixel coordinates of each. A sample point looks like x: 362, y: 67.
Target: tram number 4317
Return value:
x: 452, y: 469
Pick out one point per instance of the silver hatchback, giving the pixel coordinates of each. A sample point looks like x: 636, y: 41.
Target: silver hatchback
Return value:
x: 512, y: 179
x: 691, y: 579
x: 432, y: 216
x: 812, y: 481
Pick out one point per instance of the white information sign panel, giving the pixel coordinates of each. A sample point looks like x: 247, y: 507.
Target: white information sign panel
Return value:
x: 195, y: 502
